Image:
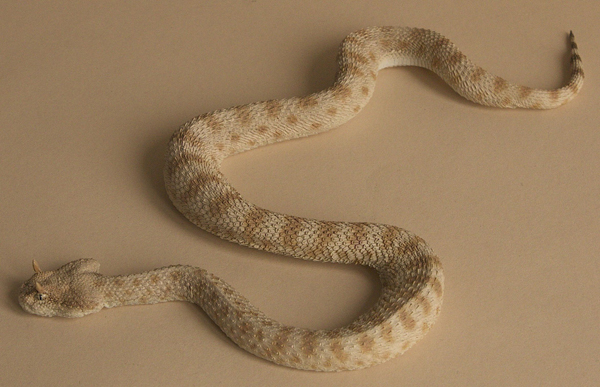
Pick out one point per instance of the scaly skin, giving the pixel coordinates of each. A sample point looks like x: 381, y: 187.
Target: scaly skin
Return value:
x: 411, y: 275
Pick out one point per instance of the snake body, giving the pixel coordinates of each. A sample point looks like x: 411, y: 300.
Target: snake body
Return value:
x: 410, y: 273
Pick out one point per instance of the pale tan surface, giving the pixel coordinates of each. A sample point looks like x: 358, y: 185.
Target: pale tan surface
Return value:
x: 508, y: 199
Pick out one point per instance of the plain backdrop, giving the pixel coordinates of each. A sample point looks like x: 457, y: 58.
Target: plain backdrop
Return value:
x: 91, y: 91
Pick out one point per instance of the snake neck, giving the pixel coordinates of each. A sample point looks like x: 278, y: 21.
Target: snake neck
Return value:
x: 173, y: 283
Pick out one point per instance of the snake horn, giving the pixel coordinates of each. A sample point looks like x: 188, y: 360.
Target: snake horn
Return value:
x: 39, y: 288
x: 36, y: 267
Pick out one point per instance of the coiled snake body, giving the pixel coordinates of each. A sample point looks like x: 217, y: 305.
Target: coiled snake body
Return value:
x: 411, y: 275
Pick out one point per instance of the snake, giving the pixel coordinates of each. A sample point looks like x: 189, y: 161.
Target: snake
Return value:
x: 411, y: 275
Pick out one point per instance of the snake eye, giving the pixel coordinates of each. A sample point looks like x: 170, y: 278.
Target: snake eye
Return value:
x: 41, y: 292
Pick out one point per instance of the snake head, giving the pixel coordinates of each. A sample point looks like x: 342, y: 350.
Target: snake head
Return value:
x: 68, y: 291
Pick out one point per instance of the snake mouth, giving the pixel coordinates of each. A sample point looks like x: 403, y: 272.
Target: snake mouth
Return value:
x: 25, y: 301
x: 28, y: 302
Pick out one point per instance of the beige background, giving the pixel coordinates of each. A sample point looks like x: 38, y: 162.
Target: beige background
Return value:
x: 91, y: 91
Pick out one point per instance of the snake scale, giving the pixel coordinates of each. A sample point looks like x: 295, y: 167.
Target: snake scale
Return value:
x: 411, y: 274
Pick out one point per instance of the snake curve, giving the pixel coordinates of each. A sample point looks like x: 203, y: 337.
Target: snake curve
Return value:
x: 410, y: 273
